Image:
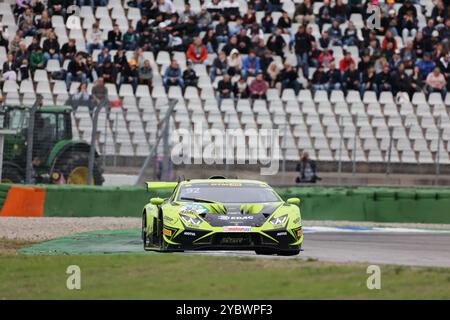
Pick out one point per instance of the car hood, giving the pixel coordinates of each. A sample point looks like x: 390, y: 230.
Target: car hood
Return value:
x: 226, y: 214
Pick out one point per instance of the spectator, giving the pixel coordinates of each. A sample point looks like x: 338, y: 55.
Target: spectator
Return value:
x: 340, y: 11
x: 120, y: 60
x: 44, y: 25
x: 325, y: 14
x: 51, y: 47
x: 346, y: 61
x: 173, y: 76
x: 203, y: 19
x: 384, y: 80
x: 304, y: 12
x: 250, y: 65
x: 100, y: 96
x: 103, y: 55
x: 319, y: 80
x: 439, y: 14
x: 307, y: 170
x: 234, y: 62
x: 24, y: 70
x: 222, y: 30
x: 267, y: 23
x: 130, y: 39
x: 351, y: 79
x: 76, y: 71
x: 215, y: 9
x: 408, y: 55
x: 37, y: 59
x: 436, y: 82
x: 114, y: 41
x: 389, y: 38
x: 9, y: 68
x: 401, y: 81
x: 224, y: 89
x: 272, y: 74
x: 236, y: 28
x: 82, y: 98
x: 94, y: 38
x: 350, y: 35
x: 130, y: 74
x: 335, y: 78
x: 231, y: 9
x: 289, y: 78
x: 284, y: 22
x: 210, y: 42
x: 249, y: 18
x: 240, y: 89
x: 22, y: 53
x: 425, y: 65
x: 302, y: 47
x: 190, y: 78
x: 219, y: 66
x: 91, y: 70
x: 276, y: 43
x: 197, y: 52
x: 244, y: 43
x: 258, y: 87
x: 409, y: 25
x: 325, y: 58
x: 444, y: 65
x: 335, y: 33
x: 146, y: 74
x: 69, y: 49
x: 368, y: 80
x: 108, y: 71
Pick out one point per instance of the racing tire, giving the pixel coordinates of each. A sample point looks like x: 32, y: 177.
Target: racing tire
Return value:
x: 144, y: 231
x: 74, y: 165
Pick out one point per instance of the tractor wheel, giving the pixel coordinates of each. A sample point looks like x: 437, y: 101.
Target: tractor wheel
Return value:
x: 12, y: 175
x: 74, y: 167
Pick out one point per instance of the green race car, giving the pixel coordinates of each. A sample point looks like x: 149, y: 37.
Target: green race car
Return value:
x: 222, y: 214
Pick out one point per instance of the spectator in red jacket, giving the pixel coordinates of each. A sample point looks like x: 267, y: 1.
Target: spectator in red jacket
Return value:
x: 346, y: 61
x: 197, y: 52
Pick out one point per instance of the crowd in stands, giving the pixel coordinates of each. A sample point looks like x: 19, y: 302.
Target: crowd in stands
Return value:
x: 247, y: 63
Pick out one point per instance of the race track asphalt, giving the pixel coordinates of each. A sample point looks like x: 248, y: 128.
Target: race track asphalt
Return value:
x: 392, y: 246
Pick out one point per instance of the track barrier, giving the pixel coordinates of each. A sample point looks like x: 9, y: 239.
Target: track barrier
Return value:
x: 378, y: 204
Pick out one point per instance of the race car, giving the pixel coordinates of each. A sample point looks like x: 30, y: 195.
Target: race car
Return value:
x: 222, y: 214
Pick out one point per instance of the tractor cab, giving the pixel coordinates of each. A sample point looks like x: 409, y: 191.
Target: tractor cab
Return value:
x: 57, y: 158
x: 51, y: 125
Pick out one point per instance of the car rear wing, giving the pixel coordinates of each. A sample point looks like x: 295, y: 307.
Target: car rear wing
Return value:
x: 153, y: 185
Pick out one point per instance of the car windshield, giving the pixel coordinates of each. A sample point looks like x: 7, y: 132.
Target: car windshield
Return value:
x: 228, y: 193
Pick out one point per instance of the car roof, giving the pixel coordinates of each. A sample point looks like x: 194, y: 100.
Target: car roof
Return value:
x: 223, y: 181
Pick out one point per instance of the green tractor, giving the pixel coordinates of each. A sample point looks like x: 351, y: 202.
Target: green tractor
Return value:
x: 56, y: 157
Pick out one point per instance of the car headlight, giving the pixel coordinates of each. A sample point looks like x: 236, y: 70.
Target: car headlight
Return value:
x: 191, y: 220
x: 278, y: 220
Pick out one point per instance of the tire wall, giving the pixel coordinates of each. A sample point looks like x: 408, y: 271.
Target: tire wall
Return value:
x: 412, y: 205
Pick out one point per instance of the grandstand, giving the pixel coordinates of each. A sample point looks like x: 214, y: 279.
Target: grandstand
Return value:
x: 347, y: 124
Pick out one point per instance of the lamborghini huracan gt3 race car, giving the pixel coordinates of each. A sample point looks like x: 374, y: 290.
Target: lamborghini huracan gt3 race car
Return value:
x: 222, y: 214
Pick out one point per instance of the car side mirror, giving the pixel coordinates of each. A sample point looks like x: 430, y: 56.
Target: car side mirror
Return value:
x: 156, y: 201
x: 295, y: 201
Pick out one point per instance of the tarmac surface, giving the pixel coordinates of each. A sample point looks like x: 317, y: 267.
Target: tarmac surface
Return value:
x: 398, y: 246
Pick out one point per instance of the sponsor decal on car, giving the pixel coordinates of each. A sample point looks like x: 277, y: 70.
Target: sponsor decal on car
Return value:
x: 237, y: 217
x: 188, y: 233
x: 193, y: 209
x: 237, y: 229
x: 281, y: 233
